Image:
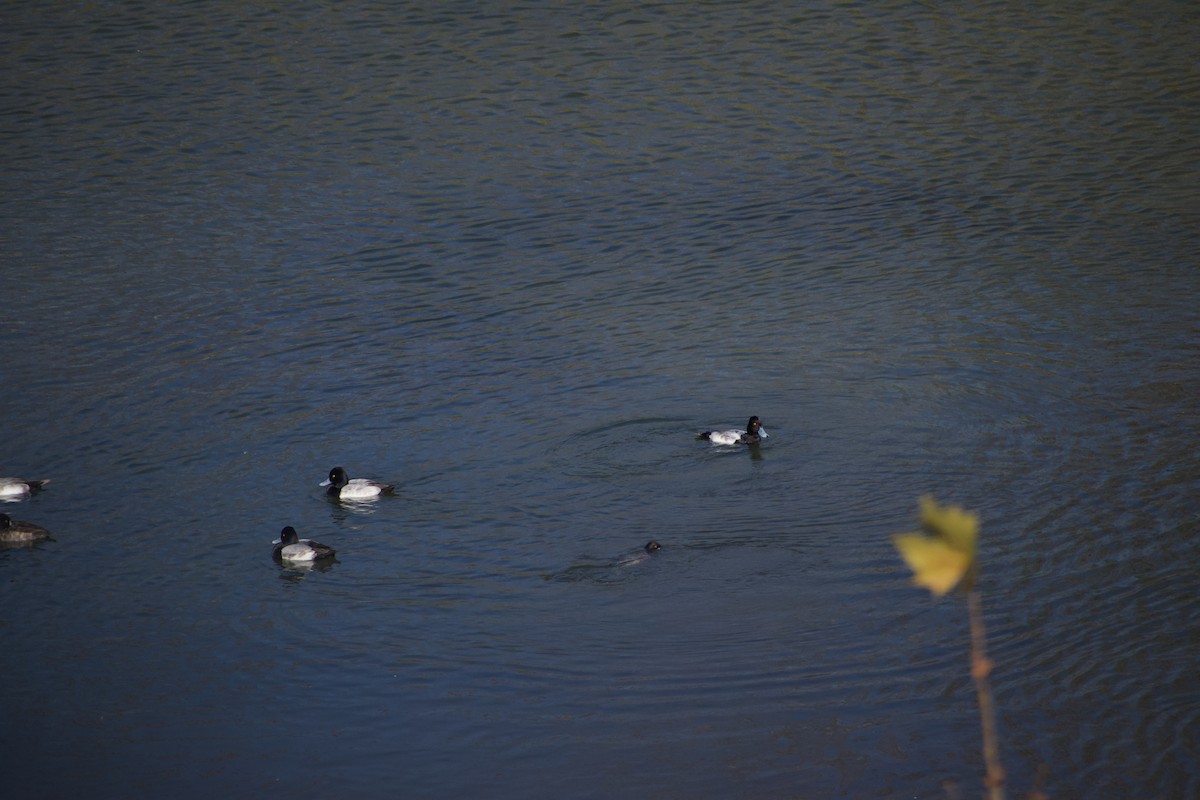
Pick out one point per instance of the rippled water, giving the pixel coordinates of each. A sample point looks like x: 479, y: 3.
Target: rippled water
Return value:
x: 512, y: 260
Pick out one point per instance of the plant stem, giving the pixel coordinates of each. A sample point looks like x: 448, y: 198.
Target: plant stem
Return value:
x: 981, y: 667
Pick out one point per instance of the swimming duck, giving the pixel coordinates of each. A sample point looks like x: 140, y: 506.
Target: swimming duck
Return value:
x: 13, y: 530
x: 290, y: 547
x: 341, y: 486
x: 637, y: 557
x: 753, y: 434
x: 19, y: 487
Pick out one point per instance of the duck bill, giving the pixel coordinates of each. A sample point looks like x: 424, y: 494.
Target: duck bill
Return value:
x: 324, y: 483
x: 762, y: 432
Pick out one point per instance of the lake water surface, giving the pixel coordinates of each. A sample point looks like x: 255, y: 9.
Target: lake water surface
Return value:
x: 513, y: 259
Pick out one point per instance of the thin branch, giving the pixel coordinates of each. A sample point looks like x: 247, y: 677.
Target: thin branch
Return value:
x: 981, y: 668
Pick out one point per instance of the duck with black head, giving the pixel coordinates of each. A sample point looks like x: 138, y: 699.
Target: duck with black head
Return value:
x: 15, y: 531
x: 290, y: 547
x: 343, y: 487
x: 753, y: 434
x: 647, y: 550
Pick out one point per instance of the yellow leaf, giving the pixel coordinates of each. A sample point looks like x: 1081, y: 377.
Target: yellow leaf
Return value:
x: 936, y: 565
x: 956, y: 527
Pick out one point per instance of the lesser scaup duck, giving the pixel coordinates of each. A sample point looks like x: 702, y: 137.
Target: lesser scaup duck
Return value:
x: 290, y: 547
x: 19, y: 487
x: 13, y: 530
x: 341, y: 486
x: 648, y: 549
x: 753, y: 434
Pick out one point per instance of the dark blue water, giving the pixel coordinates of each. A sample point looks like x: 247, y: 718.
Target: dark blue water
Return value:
x: 513, y: 259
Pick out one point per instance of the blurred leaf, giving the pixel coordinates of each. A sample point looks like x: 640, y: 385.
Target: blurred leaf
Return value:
x: 935, y: 564
x: 945, y: 557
